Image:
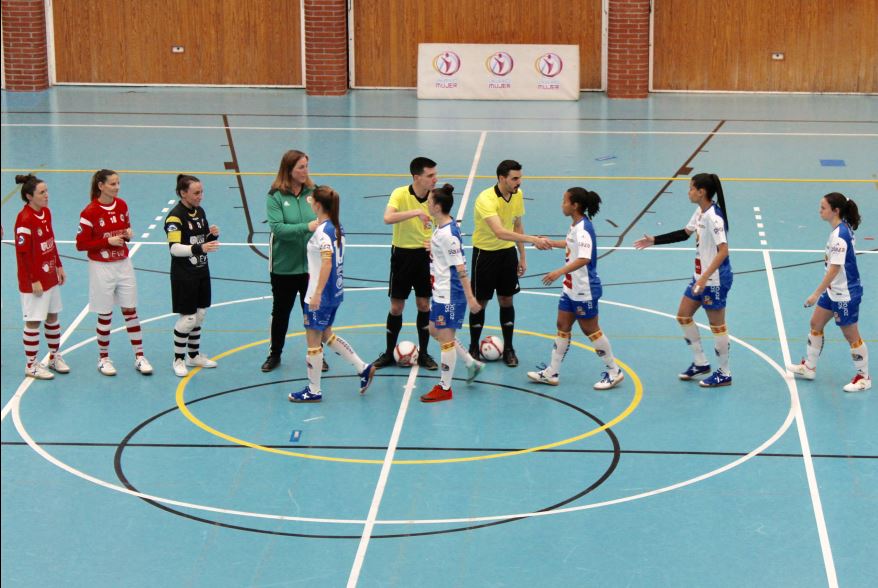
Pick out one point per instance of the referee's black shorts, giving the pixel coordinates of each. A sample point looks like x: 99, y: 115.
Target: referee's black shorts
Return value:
x: 409, y: 268
x: 189, y: 293
x: 495, y: 270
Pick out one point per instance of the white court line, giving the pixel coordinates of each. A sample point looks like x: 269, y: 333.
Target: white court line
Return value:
x: 26, y: 383
x: 623, y: 248
x: 828, y: 562
x: 445, y: 130
x: 472, y: 175
x: 382, y: 479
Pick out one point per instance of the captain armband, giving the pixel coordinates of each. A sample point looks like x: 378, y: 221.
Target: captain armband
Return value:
x: 672, y: 237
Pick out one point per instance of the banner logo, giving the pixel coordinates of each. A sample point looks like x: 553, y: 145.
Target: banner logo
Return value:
x: 447, y: 63
x: 500, y: 63
x: 549, y: 64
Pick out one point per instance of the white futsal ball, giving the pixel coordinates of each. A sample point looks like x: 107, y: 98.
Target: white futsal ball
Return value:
x: 405, y: 353
x: 491, y: 347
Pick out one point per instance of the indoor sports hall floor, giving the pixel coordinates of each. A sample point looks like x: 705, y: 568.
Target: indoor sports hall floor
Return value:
x: 158, y: 481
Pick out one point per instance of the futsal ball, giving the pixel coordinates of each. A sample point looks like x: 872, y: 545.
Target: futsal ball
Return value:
x: 491, y: 347
x: 405, y: 353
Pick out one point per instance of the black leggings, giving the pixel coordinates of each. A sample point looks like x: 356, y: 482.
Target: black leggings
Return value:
x: 284, y: 289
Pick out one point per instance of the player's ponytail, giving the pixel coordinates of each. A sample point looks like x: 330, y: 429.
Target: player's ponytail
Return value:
x: 29, y: 185
x: 329, y: 200
x: 184, y: 181
x: 847, y: 208
x: 100, y: 177
x: 712, y: 186
x: 588, y: 203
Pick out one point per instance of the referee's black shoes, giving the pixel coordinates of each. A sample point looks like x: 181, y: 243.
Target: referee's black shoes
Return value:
x: 384, y: 360
x: 509, y: 358
x: 427, y: 362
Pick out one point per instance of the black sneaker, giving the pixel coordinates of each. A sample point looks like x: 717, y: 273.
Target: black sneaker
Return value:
x: 384, y: 360
x: 427, y: 362
x: 509, y: 358
x: 271, y: 362
x: 325, y: 367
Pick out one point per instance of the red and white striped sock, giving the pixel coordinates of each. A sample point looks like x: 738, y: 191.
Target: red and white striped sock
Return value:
x: 103, y: 330
x: 53, y: 337
x: 132, y: 324
x: 31, y: 341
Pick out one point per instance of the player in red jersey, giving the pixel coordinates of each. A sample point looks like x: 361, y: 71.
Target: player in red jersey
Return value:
x: 104, y: 230
x: 39, y: 277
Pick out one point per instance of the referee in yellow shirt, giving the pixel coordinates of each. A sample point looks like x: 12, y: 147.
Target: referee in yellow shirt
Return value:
x: 409, y: 260
x: 496, y: 264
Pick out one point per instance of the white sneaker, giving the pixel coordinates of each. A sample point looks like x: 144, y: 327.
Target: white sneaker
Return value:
x: 180, y: 368
x: 58, y: 364
x: 38, y: 372
x: 543, y: 377
x: 608, y: 380
x: 803, y: 371
x: 201, y: 361
x: 860, y: 383
x: 106, y: 367
x: 142, y: 365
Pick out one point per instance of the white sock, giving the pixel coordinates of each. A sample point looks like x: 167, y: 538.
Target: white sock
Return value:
x: 721, y: 346
x: 314, y: 366
x: 448, y: 360
x: 559, y: 351
x: 860, y: 355
x: 815, y: 346
x: 346, y: 352
x: 693, y: 339
x: 604, y: 350
x: 463, y: 354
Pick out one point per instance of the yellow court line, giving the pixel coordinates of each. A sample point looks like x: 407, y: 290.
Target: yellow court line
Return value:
x: 9, y: 194
x: 453, y: 176
x: 181, y: 404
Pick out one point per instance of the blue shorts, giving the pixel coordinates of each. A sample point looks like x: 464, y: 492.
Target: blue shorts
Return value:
x: 447, y: 316
x: 845, y: 313
x: 711, y: 298
x: 320, y: 319
x: 581, y: 309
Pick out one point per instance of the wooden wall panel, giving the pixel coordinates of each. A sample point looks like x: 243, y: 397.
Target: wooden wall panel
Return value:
x: 387, y: 32
x: 249, y: 42
x: 829, y: 45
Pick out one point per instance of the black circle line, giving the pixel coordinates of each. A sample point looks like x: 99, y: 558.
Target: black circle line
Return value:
x: 120, y: 474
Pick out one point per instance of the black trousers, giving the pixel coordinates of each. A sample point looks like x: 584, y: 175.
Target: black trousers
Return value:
x: 284, y: 289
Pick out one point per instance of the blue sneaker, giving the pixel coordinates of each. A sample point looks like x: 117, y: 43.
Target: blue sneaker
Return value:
x: 694, y: 370
x: 716, y: 379
x: 473, y: 370
x: 366, y: 377
x: 305, y: 395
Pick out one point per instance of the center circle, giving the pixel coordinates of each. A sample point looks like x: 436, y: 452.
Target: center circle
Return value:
x: 120, y: 474
x: 182, y: 405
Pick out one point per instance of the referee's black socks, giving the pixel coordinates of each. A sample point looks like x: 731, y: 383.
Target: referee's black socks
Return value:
x: 507, y: 325
x: 423, y: 324
x: 476, y: 323
x: 394, y: 326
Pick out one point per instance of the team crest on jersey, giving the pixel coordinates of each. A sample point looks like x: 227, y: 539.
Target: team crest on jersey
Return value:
x: 122, y: 216
x: 101, y: 222
x: 440, y: 320
x: 707, y: 300
x: 45, y: 268
x: 21, y: 239
x: 78, y: 229
x: 39, y: 232
x: 190, y: 225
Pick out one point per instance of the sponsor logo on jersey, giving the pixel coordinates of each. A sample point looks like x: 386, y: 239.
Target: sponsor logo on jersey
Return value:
x: 172, y: 227
x: 21, y: 239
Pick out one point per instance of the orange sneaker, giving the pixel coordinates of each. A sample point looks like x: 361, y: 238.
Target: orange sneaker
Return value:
x: 437, y: 394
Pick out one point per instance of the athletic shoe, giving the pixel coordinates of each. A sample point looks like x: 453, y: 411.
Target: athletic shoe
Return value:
x: 473, y: 370
x: 366, y: 377
x: 106, y: 367
x: 57, y: 364
x: 38, y: 372
x: 543, y: 377
x: 476, y: 354
x: 860, y: 383
x: 427, y: 362
x: 437, y: 394
x: 305, y: 395
x: 271, y: 362
x: 606, y: 382
x: 716, y: 379
x: 509, y: 358
x: 384, y: 360
x: 803, y: 371
x: 142, y: 365
x: 694, y: 370
x: 200, y: 360
x: 325, y: 367
x: 180, y: 368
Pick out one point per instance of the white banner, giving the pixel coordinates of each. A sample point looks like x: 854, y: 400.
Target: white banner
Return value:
x: 498, y: 72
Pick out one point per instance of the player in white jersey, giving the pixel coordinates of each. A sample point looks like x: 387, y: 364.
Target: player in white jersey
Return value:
x: 325, y: 293
x: 838, y: 294
x: 451, y: 292
x: 711, y: 280
x: 581, y: 291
